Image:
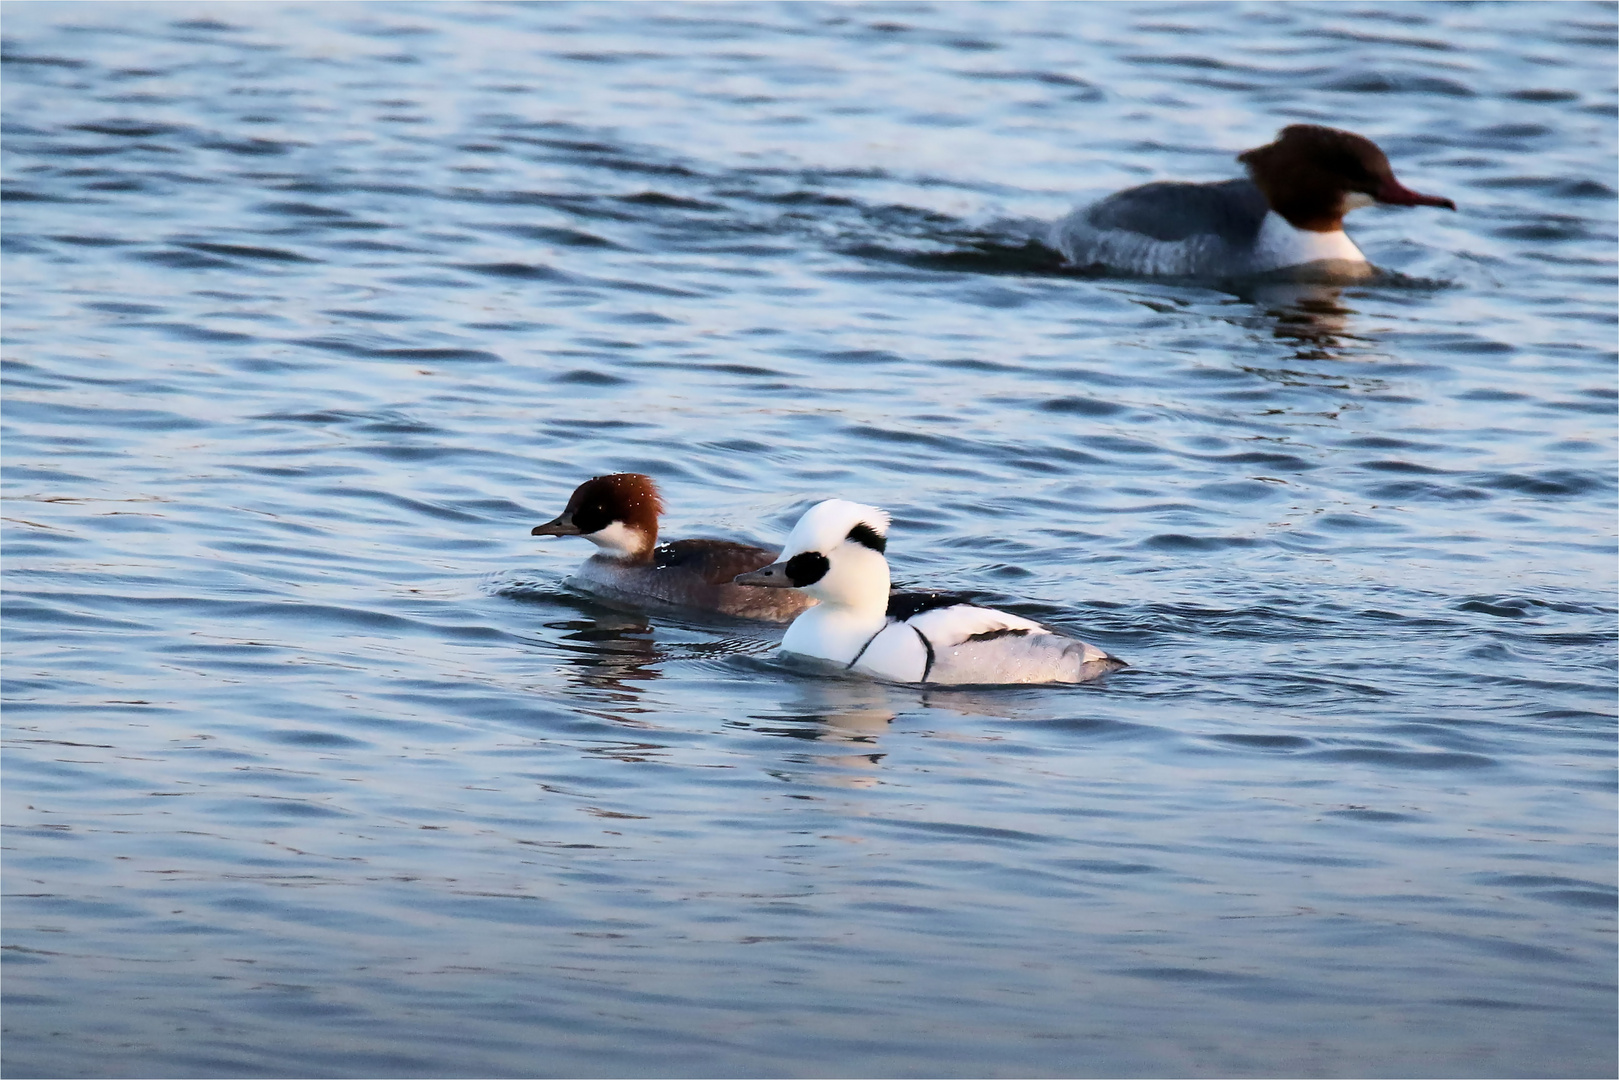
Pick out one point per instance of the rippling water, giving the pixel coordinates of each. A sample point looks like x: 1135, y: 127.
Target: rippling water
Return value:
x: 313, y: 767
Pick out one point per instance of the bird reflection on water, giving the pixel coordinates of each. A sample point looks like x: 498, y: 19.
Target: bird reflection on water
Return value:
x: 1311, y: 318
x: 609, y: 657
x: 843, y: 713
x: 1323, y: 335
x: 850, y: 709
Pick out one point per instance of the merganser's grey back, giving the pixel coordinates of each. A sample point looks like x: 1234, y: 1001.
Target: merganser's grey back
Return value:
x: 1170, y: 210
x: 1168, y: 229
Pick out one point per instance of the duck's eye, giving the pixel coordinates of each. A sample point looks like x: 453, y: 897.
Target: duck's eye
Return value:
x: 806, y: 568
x: 592, y: 516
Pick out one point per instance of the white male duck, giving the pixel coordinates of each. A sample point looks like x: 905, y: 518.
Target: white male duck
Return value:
x: 836, y: 554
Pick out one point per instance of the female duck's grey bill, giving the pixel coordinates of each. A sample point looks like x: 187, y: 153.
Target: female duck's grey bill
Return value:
x: 805, y: 568
x: 773, y: 576
x: 562, y: 526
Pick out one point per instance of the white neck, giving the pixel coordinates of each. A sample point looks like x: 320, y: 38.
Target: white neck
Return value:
x: 1279, y: 244
x: 856, y: 581
x: 853, y: 606
x: 619, y: 541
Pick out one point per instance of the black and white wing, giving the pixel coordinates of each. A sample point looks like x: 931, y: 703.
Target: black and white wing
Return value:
x: 966, y: 644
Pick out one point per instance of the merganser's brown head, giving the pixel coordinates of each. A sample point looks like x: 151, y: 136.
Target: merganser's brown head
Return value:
x: 1313, y: 176
x: 617, y: 513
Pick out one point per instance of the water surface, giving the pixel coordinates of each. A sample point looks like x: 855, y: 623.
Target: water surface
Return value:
x: 314, y: 766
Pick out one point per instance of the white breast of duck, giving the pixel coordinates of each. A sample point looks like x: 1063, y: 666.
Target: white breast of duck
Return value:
x: 1287, y: 216
x: 836, y: 554
x: 1280, y: 245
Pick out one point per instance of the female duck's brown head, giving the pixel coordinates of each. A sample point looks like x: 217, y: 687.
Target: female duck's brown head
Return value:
x: 617, y: 513
x: 1313, y: 176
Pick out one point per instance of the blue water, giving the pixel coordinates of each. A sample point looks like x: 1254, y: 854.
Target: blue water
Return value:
x: 313, y: 766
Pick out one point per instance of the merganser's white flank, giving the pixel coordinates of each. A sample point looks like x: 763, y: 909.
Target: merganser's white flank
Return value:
x: 1288, y: 214
x: 619, y: 514
x: 835, y: 554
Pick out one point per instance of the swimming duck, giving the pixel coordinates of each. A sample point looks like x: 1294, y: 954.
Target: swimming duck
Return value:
x: 836, y: 554
x: 619, y: 514
x: 1288, y: 213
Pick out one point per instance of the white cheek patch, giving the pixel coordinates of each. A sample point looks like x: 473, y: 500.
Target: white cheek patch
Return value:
x: 1354, y: 200
x: 618, y: 540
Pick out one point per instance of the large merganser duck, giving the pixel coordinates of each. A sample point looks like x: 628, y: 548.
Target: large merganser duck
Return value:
x: 619, y: 514
x: 1289, y: 213
x: 835, y: 554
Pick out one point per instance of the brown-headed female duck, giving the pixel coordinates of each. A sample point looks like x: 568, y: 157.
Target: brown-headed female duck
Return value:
x: 619, y: 514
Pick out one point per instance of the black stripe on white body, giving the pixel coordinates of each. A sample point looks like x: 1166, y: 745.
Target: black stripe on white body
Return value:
x: 836, y: 554
x: 965, y: 644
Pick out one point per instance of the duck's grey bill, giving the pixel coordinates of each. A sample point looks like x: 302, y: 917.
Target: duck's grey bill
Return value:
x: 562, y: 526
x: 773, y: 576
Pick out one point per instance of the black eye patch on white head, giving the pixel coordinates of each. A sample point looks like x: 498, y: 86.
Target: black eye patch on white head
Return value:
x: 806, y: 568
x: 867, y: 536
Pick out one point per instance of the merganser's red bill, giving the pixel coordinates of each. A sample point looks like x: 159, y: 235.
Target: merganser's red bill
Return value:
x: 1396, y: 194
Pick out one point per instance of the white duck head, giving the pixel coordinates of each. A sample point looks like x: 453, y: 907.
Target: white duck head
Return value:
x: 835, y: 554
